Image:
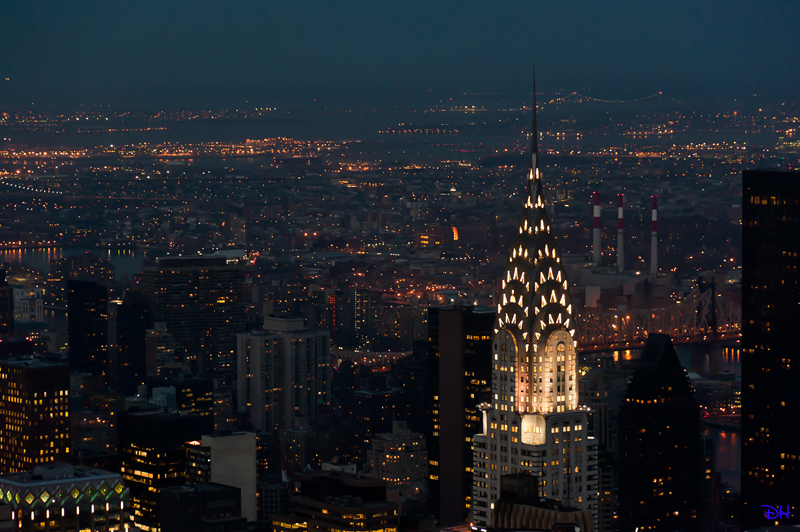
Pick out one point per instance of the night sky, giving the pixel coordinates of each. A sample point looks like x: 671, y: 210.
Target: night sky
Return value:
x: 190, y: 53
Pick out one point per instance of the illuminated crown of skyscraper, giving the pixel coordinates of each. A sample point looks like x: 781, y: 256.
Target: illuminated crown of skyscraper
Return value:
x: 535, y: 311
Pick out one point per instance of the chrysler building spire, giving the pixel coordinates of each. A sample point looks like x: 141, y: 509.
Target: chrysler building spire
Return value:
x: 534, y: 129
x: 534, y: 425
x: 535, y: 305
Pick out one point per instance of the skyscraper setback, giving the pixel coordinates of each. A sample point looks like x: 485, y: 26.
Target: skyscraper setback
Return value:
x: 533, y: 424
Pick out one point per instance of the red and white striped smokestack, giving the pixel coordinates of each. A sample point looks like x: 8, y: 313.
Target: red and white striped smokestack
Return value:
x: 654, y: 239
x: 596, y: 256
x: 620, y: 245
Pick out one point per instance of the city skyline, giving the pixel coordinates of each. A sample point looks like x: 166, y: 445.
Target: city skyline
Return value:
x: 297, y: 267
x: 328, y: 239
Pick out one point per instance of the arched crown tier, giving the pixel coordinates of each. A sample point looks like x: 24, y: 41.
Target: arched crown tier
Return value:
x: 534, y: 346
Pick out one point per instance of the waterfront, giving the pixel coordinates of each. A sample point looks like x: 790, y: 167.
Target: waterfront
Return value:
x: 728, y: 360
x: 727, y: 441
x: 727, y: 455
x: 127, y: 262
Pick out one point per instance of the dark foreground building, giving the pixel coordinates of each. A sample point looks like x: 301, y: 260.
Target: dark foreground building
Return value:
x: 151, y: 444
x: 332, y: 501
x: 770, y: 361
x: 521, y: 508
x: 460, y: 366
x: 201, y: 508
x: 127, y: 332
x: 661, y: 469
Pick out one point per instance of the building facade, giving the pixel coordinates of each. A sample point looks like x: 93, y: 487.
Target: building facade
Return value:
x: 61, y: 497
x: 201, y: 508
x: 34, y: 408
x: 159, y: 347
x: 460, y: 369
x: 6, y: 307
x: 329, y: 501
x: 601, y: 392
x: 533, y: 424
x: 202, y: 301
x: 399, y: 458
x: 129, y: 320
x: 283, y: 372
x: 770, y: 365
x: 229, y: 459
x: 28, y: 304
x: 411, y: 374
x: 87, y: 322
x: 272, y: 497
x: 372, y: 411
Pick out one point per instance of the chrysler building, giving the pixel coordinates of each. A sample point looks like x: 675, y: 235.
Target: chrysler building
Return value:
x: 533, y: 425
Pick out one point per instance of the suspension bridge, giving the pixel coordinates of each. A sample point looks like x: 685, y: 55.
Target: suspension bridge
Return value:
x: 704, y: 316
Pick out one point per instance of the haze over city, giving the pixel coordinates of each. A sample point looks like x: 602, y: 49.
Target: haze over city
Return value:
x: 199, y: 54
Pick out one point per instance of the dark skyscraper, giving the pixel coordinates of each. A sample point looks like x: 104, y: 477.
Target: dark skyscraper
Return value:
x: 132, y: 320
x: 601, y: 390
x: 410, y: 374
x: 660, y: 457
x: 202, y: 301
x: 460, y: 358
x: 87, y: 307
x: 6, y: 307
x: 372, y: 410
x: 770, y: 364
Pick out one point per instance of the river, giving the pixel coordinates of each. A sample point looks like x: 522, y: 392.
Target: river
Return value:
x: 727, y: 455
x: 727, y: 442
x: 127, y: 262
